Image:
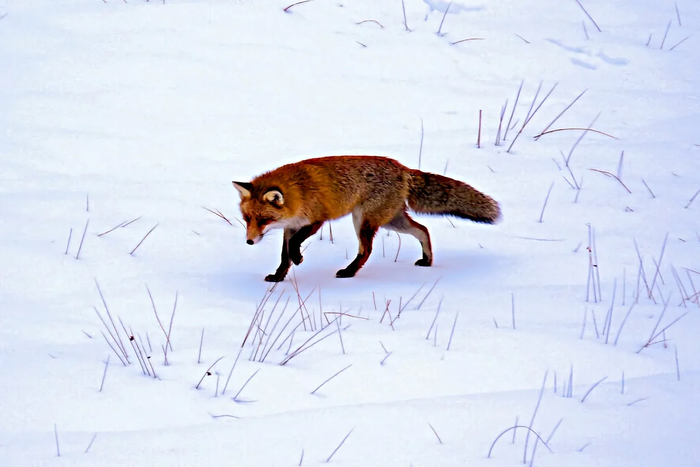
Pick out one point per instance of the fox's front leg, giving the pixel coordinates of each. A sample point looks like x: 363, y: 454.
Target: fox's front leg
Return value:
x: 285, y: 262
x: 294, y: 246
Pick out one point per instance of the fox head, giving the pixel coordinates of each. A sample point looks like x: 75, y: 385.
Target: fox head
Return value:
x: 262, y: 210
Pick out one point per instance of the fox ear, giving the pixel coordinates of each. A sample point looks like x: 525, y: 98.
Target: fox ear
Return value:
x: 243, y: 188
x: 274, y: 197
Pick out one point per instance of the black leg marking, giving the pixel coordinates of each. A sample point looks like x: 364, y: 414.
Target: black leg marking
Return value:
x: 366, y: 237
x: 298, y: 238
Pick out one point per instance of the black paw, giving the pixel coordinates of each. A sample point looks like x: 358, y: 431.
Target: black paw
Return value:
x: 296, y: 258
x: 347, y: 272
x: 274, y: 277
x: 424, y: 262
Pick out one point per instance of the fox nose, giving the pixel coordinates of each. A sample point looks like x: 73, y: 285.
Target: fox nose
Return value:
x: 250, y: 242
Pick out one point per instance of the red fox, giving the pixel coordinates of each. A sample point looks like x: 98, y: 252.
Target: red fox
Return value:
x: 300, y: 197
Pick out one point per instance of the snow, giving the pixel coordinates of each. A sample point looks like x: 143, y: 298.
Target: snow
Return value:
x: 147, y: 110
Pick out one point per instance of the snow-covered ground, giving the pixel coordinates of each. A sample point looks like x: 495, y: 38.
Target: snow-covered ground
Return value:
x: 115, y: 112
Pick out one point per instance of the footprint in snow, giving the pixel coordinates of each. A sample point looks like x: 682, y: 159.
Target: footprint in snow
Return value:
x: 613, y: 60
x: 583, y: 64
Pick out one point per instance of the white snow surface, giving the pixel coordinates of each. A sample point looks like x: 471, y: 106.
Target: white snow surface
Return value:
x: 114, y: 111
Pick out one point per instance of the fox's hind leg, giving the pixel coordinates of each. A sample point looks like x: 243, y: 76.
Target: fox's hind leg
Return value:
x: 366, y: 230
x: 403, y: 223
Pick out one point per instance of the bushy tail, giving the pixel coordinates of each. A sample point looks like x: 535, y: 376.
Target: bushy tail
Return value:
x: 434, y: 194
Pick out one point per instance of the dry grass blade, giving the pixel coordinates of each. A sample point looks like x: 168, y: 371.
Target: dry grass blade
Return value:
x: 286, y: 10
x: 218, y: 213
x: 371, y: 21
x: 523, y: 39
x: 155, y: 311
x: 82, y: 239
x: 515, y: 427
x: 605, y: 172
x: 405, y: 23
x: 55, y: 433
x: 575, y: 129
x: 426, y: 295
x: 679, y: 43
x: 512, y: 112
x: 123, y: 224
x: 562, y: 113
x: 70, y: 235
x: 653, y: 338
x: 341, y: 443
x: 661, y: 258
x: 692, y: 199
x: 436, y: 434
x: 531, y: 113
x: 142, y: 240
x: 583, y: 399
x: 235, y: 398
x: 118, y: 340
x: 208, y: 372
x: 439, y: 31
x: 104, y: 374
x: 168, y: 345
x: 401, y: 308
x: 544, y: 206
x: 589, y: 16
x: 304, y: 346
x: 467, y: 40
x: 534, y: 414
x: 326, y: 381
x: 663, y: 41
x: 571, y: 152
x: 90, y: 445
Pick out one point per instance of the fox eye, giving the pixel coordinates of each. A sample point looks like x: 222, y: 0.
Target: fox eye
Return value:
x: 246, y: 218
x: 264, y: 221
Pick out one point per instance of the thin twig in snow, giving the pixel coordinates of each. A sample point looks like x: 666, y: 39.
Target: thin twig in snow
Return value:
x: 208, y: 372
x: 439, y: 31
x: 545, y: 201
x: 589, y: 16
x: 142, y: 240
x: 90, y: 444
x: 467, y: 40
x: 58, y: 448
x: 647, y: 186
x: 405, y: 23
x: 515, y: 427
x: 104, y: 374
x: 622, y: 324
x: 606, y: 173
x: 663, y: 41
x: 436, y: 434
x: 326, y: 381
x: 517, y: 97
x: 82, y: 239
x: 449, y: 342
x: 692, y: 199
x: 592, y: 130
x: 534, y: 414
x: 560, y: 114
x: 235, y: 398
x: 286, y: 10
x: 583, y: 399
x: 679, y: 43
x: 70, y: 235
x: 341, y: 443
x: 568, y: 158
